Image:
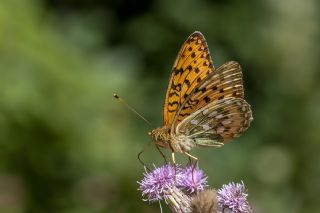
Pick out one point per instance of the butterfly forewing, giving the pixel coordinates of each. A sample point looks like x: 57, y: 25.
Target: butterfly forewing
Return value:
x: 193, y: 64
x: 218, y: 121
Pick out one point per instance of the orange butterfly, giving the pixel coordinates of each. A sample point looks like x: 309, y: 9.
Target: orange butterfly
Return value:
x: 204, y: 106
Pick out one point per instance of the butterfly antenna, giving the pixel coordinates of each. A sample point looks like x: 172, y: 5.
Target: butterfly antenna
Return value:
x: 130, y: 108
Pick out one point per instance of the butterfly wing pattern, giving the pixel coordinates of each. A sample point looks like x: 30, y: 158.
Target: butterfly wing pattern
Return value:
x: 216, y: 123
x: 204, y: 106
x: 192, y: 65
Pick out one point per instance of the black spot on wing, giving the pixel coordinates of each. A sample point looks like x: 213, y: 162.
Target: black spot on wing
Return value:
x: 184, y: 114
x: 173, y: 93
x: 176, y: 87
x: 173, y: 103
x: 206, y: 99
x: 178, y: 71
x: 187, y: 82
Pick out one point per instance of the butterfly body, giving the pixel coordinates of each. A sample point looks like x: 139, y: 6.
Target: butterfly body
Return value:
x: 204, y: 106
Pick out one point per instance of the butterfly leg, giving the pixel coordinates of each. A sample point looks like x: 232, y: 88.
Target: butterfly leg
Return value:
x: 164, y: 157
x: 173, y: 161
x: 190, y: 156
x: 194, y: 165
x: 173, y: 158
x: 174, y: 164
x: 141, y: 161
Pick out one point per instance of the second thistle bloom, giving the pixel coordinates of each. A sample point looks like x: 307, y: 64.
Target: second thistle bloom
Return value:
x: 233, y: 196
x: 192, y: 179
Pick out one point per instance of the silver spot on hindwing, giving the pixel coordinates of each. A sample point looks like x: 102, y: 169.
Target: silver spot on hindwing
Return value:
x: 212, y: 114
x: 219, y: 116
x: 220, y: 129
x: 226, y: 122
x: 206, y: 127
x: 194, y: 122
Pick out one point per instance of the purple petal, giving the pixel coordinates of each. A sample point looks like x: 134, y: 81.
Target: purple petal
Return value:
x: 191, y: 179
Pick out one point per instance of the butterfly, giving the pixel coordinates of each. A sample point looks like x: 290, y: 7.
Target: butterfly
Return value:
x: 204, y: 106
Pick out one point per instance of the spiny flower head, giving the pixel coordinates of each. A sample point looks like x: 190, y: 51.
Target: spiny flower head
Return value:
x: 157, y: 183
x: 233, y: 196
x: 192, y: 179
x: 204, y: 202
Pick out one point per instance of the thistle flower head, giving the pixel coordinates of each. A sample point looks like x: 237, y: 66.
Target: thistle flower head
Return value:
x: 204, y: 201
x: 157, y: 182
x: 191, y: 179
x: 233, y: 196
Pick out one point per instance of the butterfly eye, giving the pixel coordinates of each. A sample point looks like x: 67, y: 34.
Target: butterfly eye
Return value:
x: 149, y: 133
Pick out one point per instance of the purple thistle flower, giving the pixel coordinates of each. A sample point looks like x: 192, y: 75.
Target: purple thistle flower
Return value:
x: 157, y: 183
x: 191, y: 179
x: 233, y: 196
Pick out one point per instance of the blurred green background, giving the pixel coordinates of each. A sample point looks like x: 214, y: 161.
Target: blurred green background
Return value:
x: 67, y: 146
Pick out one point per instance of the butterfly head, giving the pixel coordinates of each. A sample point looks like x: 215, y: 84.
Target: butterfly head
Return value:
x: 161, y: 136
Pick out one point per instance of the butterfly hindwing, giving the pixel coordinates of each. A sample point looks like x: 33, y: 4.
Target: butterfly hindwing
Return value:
x: 193, y: 64
x: 217, y: 122
x: 224, y: 82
